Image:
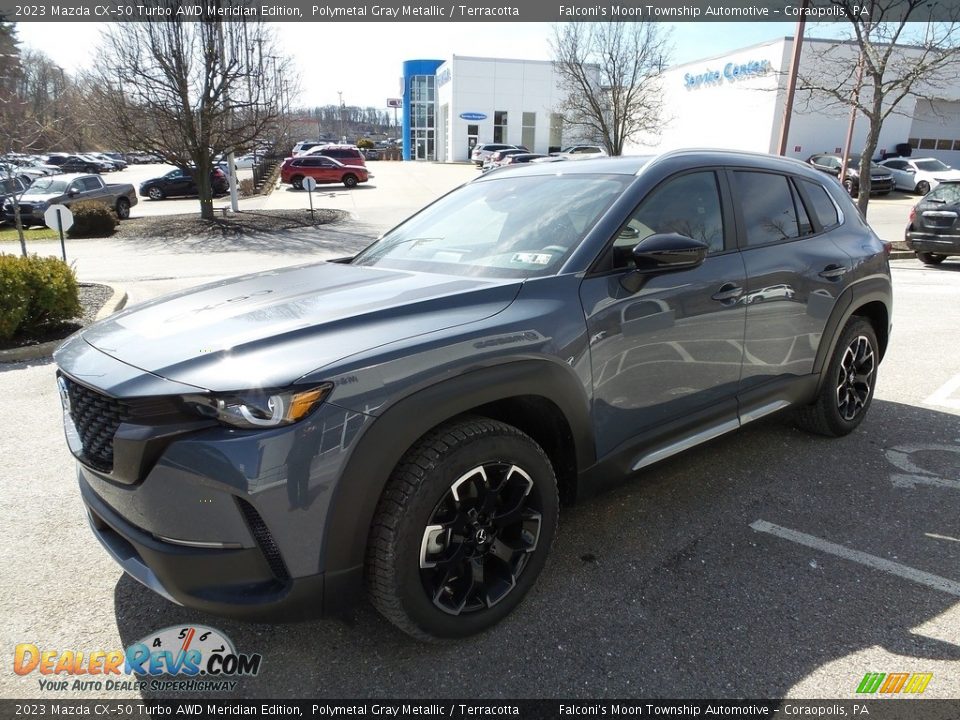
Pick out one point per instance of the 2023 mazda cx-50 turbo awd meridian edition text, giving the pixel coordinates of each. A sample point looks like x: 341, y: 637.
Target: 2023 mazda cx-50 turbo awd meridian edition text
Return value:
x: 407, y: 420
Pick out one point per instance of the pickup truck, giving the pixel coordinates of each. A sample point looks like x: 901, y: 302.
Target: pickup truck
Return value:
x: 66, y: 190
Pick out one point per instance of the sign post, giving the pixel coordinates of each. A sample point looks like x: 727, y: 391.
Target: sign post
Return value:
x: 60, y: 218
x: 309, y: 184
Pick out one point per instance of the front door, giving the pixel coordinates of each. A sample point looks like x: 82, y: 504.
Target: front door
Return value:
x: 673, y: 347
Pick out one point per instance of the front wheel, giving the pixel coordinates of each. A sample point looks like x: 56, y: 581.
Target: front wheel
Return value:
x: 155, y: 193
x: 123, y: 209
x: 923, y: 187
x: 849, y: 186
x: 848, y: 384
x: 930, y: 258
x: 462, y: 530
x: 350, y: 181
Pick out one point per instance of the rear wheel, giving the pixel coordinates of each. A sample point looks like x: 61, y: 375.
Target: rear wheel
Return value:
x: 462, y: 529
x: 930, y: 258
x: 350, y: 180
x: 297, y: 181
x: 850, y: 187
x: 923, y: 187
x: 123, y: 208
x: 848, y: 384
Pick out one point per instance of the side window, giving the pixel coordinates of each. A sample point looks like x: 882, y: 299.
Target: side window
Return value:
x: 769, y: 212
x: 688, y: 204
x: 806, y: 227
x: 91, y: 183
x: 897, y: 165
x: 76, y: 186
x: 821, y: 204
x: 948, y: 193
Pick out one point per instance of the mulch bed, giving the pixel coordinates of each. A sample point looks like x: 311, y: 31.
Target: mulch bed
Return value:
x: 241, y: 223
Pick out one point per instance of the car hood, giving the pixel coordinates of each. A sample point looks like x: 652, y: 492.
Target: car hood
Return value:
x: 945, y: 175
x: 37, y: 199
x: 267, y: 330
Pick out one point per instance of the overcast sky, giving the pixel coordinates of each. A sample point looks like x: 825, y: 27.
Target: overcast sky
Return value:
x: 364, y: 60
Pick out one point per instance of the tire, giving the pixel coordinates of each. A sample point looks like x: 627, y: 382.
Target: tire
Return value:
x: 851, y: 189
x: 923, y: 187
x: 847, y: 391
x: 155, y: 193
x: 350, y: 181
x: 930, y: 258
x: 297, y: 182
x: 123, y: 209
x: 421, y: 578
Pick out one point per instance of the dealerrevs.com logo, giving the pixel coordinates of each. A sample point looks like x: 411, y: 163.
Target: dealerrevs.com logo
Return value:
x: 894, y: 683
x: 204, y: 656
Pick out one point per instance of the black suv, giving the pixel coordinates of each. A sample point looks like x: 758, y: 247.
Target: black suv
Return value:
x: 933, y: 231
x: 881, y: 179
x: 181, y: 182
x: 408, y: 419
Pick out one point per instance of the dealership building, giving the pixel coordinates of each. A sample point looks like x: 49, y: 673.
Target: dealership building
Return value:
x: 733, y: 101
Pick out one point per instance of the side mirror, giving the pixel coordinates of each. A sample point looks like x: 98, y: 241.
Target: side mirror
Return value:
x: 663, y: 252
x: 72, y: 192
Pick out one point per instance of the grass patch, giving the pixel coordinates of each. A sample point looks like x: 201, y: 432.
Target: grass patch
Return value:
x: 9, y: 234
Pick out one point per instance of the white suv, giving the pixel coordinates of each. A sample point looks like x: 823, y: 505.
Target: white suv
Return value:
x: 481, y: 153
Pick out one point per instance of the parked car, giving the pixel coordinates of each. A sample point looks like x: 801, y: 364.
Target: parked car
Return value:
x: 66, y: 190
x: 881, y: 179
x: 521, y: 158
x: 408, y: 419
x: 579, y: 151
x: 114, y: 163
x: 346, y: 154
x: 371, y: 154
x: 181, y: 182
x: 481, y: 153
x: 10, y: 189
x: 498, y: 157
x: 75, y: 163
x: 933, y: 231
x: 323, y: 169
x: 919, y: 175
x: 303, y: 146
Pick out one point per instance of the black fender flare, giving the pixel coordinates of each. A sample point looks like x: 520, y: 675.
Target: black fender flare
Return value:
x: 385, y: 441
x: 851, y: 300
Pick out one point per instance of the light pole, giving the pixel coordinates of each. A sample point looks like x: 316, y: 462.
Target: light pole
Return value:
x: 343, y: 137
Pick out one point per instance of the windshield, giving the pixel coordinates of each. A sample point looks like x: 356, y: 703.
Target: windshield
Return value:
x: 931, y: 165
x: 47, y: 186
x: 510, y: 226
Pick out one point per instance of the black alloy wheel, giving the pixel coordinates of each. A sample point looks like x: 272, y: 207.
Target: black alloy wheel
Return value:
x: 349, y: 180
x: 855, y: 376
x: 923, y: 187
x: 123, y: 208
x: 847, y: 388
x: 462, y: 529
x: 479, y: 538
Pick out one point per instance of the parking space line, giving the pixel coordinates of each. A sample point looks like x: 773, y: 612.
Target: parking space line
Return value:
x: 951, y: 587
x: 941, y: 537
x: 943, y: 396
x: 909, y: 481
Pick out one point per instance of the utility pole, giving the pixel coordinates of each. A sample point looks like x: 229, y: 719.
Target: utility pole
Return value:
x: 792, y: 80
x: 343, y: 137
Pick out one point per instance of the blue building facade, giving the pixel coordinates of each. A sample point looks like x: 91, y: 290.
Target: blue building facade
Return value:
x: 419, y: 109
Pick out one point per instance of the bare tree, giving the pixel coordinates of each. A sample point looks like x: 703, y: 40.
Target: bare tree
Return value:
x: 189, y: 90
x: 894, y: 50
x: 610, y: 75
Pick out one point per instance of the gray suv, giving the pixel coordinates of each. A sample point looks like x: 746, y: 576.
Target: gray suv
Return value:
x: 409, y: 420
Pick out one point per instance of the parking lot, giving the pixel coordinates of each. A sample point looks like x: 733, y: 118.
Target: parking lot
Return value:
x: 766, y: 563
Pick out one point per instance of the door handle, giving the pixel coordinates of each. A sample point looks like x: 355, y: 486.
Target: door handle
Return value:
x: 727, y: 291
x: 831, y: 272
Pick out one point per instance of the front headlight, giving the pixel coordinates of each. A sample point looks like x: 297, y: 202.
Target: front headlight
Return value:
x: 260, y: 408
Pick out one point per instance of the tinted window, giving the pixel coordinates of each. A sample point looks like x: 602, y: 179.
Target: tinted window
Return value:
x: 947, y: 193
x: 806, y: 227
x: 820, y: 204
x: 688, y: 204
x: 91, y: 183
x: 896, y: 164
x: 768, y: 210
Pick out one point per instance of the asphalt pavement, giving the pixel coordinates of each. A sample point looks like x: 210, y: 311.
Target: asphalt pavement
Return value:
x: 766, y: 563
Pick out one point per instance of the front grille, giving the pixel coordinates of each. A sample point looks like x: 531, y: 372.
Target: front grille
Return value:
x: 96, y: 417
x: 261, y: 534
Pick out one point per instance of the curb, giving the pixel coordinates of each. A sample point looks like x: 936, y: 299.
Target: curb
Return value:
x: 44, y: 350
x: 902, y: 255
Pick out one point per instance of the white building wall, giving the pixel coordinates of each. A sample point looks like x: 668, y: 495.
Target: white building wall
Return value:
x: 745, y: 113
x: 488, y: 85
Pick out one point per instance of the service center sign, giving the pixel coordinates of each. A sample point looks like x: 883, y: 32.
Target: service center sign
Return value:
x: 731, y: 71
x: 472, y: 116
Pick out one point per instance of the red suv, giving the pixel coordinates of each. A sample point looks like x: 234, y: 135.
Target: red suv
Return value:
x: 347, y: 154
x: 322, y: 169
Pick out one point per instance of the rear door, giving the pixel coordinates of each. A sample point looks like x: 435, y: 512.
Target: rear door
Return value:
x: 902, y: 173
x: 795, y: 271
x: 672, y: 348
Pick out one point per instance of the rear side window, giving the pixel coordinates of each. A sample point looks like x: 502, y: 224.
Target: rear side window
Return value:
x: 948, y: 193
x: 91, y: 183
x: 769, y: 212
x: 821, y: 204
